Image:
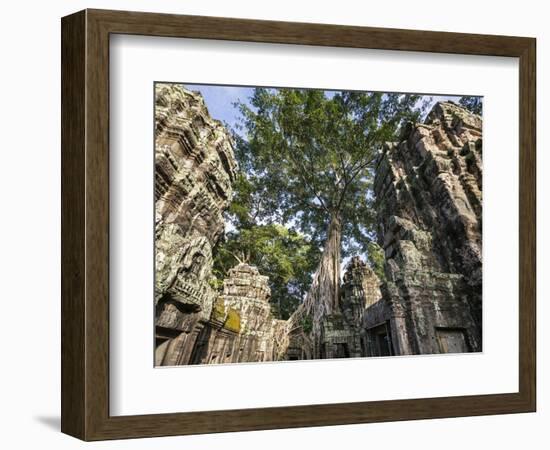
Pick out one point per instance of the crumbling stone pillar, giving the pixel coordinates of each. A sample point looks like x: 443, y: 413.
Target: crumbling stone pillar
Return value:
x: 194, y: 171
x: 428, y: 189
x: 241, y: 328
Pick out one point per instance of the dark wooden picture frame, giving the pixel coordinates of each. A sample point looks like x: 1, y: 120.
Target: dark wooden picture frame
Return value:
x: 85, y: 224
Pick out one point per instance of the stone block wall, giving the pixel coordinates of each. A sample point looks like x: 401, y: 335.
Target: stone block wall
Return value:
x: 194, y: 171
x: 242, y: 328
x: 360, y: 289
x: 428, y: 188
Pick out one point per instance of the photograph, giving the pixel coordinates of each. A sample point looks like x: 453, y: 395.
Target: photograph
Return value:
x: 303, y: 224
x: 272, y: 225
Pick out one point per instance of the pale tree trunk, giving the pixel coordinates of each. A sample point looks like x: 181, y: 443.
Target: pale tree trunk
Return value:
x: 323, y: 295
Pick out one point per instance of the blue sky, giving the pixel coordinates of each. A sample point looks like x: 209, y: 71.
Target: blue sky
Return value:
x: 219, y: 100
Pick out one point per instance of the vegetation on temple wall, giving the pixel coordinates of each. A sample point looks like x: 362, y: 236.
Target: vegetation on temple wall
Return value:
x: 307, y: 324
x: 376, y: 258
x: 230, y: 318
x: 285, y: 256
x: 218, y: 310
x: 233, y: 321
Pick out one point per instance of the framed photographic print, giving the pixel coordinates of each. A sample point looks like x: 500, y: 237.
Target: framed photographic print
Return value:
x: 270, y: 224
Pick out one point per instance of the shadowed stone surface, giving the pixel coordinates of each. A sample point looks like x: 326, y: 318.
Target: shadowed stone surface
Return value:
x: 242, y: 328
x: 194, y: 172
x: 428, y: 189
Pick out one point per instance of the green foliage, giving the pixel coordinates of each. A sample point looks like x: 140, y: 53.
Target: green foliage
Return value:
x: 244, y: 203
x: 376, y: 258
x: 307, y: 324
x: 309, y: 157
x: 216, y: 283
x: 306, y: 157
x: 473, y: 104
x: 285, y: 256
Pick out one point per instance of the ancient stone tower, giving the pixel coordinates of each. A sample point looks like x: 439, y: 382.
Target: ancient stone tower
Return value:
x: 344, y: 334
x: 428, y: 189
x: 194, y: 171
x: 361, y: 289
x: 242, y: 328
x: 428, y: 199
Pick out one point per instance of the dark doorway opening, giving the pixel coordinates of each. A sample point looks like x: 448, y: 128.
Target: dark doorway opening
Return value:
x: 380, y: 341
x: 342, y: 350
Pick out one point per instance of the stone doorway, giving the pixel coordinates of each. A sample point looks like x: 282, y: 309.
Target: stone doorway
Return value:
x: 452, y: 340
x: 380, y: 341
x: 342, y: 350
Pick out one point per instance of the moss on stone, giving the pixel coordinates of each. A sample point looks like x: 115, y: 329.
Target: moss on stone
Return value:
x: 233, y: 321
x: 230, y: 318
x: 218, y: 310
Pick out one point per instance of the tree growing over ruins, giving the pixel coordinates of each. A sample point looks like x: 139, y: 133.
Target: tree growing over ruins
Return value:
x: 286, y: 256
x: 308, y: 159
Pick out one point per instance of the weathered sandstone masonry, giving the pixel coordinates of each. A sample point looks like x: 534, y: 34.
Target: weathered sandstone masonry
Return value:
x: 241, y: 328
x: 194, y: 172
x: 343, y: 333
x: 428, y: 198
x: 428, y: 188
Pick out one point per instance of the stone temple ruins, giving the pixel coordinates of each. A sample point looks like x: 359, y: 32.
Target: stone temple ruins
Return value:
x: 428, y: 190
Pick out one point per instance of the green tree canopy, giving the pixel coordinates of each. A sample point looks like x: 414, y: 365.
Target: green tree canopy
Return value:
x: 473, y: 104
x: 284, y: 255
x: 309, y: 157
x: 308, y: 161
